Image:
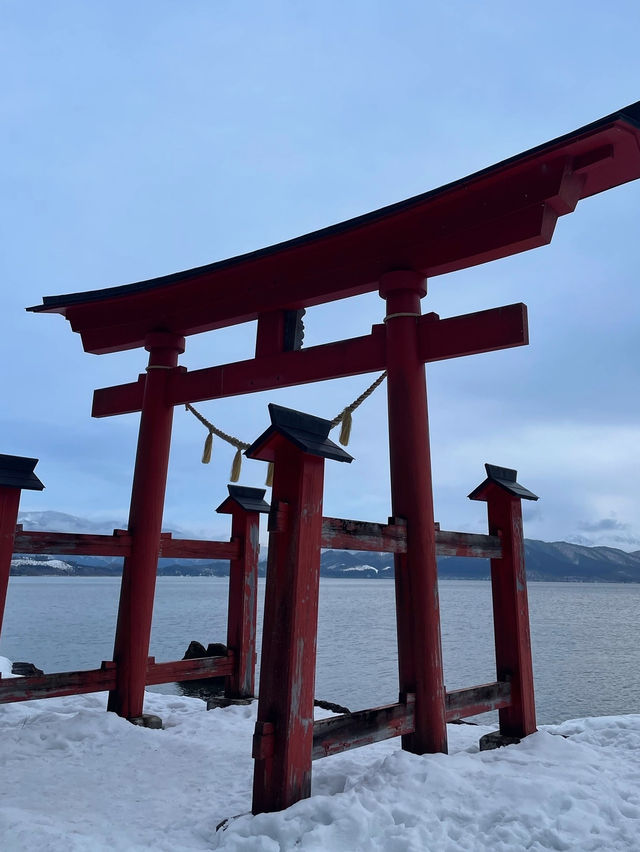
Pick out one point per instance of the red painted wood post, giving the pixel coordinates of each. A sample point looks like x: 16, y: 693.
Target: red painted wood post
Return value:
x: 287, y: 668
x: 283, y: 740
x: 135, y: 611
x: 9, y: 503
x: 16, y: 474
x: 244, y: 505
x: 416, y: 572
x: 511, y: 614
x: 243, y: 604
x: 503, y: 496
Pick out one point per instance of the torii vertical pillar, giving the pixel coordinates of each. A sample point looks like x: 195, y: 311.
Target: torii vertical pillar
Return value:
x: 245, y: 506
x: 416, y: 572
x: 16, y: 475
x: 298, y: 445
x: 135, y: 611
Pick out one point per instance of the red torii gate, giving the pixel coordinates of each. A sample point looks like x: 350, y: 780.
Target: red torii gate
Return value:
x: 507, y: 208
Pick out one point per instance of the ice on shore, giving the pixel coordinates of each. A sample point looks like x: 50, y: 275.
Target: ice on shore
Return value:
x: 73, y: 777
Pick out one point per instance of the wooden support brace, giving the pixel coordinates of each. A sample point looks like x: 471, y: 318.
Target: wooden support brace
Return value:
x: 195, y: 669
x: 343, y: 534
x: 119, y: 544
x: 59, y: 684
x: 342, y: 733
x: 56, y: 685
x: 474, y: 700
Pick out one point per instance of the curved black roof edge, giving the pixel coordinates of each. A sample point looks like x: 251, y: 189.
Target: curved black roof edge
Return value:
x: 630, y: 114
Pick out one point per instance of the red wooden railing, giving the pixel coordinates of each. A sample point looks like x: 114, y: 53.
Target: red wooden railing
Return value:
x: 238, y: 667
x: 330, y: 736
x: 341, y: 733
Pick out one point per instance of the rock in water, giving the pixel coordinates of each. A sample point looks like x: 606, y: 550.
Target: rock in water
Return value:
x: 26, y: 670
x: 204, y: 688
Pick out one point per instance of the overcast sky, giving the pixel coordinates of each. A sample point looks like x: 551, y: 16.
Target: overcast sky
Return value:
x: 143, y: 138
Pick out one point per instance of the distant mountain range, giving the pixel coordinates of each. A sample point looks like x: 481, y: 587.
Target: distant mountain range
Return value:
x: 551, y: 561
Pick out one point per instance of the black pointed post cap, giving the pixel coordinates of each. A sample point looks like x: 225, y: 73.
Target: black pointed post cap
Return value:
x: 505, y: 477
x: 17, y: 472
x: 308, y: 433
x: 250, y: 499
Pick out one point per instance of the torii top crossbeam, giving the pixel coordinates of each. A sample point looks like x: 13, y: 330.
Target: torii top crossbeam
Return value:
x: 504, y: 209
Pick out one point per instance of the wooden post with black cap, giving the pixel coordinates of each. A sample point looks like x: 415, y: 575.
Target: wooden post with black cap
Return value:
x: 298, y: 445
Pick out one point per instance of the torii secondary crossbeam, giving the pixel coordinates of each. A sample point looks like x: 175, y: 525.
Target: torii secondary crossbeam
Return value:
x: 437, y: 339
x: 507, y: 208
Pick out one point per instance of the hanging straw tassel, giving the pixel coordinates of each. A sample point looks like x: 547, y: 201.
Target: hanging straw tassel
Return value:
x: 269, y: 480
x: 345, y: 429
x: 206, y: 452
x: 236, y: 466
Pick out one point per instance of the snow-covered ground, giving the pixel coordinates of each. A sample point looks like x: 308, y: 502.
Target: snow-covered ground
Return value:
x: 73, y: 777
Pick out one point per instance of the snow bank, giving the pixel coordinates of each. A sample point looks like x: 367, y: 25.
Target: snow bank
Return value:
x: 73, y: 777
x: 5, y: 669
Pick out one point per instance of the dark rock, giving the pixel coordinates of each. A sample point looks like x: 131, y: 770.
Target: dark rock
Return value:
x: 216, y: 649
x: 221, y: 701
x: 195, y: 650
x: 147, y: 720
x: 496, y: 740
x: 204, y: 688
x: 26, y: 670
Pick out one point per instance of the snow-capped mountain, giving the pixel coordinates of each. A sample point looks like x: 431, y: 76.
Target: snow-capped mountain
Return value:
x: 61, y: 522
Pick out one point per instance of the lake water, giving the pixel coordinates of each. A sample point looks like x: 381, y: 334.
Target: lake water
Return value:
x: 585, y: 636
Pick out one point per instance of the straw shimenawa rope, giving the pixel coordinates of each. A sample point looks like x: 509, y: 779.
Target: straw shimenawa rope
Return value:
x: 230, y: 439
x: 345, y: 417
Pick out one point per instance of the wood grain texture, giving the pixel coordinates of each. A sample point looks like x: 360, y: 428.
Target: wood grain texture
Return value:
x: 474, y: 700
x: 342, y: 733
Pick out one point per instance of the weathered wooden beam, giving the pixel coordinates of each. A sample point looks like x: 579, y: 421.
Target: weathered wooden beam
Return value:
x: 477, y: 699
x: 119, y: 544
x: 72, y: 543
x: 346, y: 534
x: 201, y: 667
x: 341, y: 733
x: 343, y: 534
x: 337, y: 534
x: 59, y: 684
x: 186, y: 548
x: 56, y: 685
x: 468, y: 544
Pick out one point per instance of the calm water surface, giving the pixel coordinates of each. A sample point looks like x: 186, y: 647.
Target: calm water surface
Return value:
x: 585, y: 636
